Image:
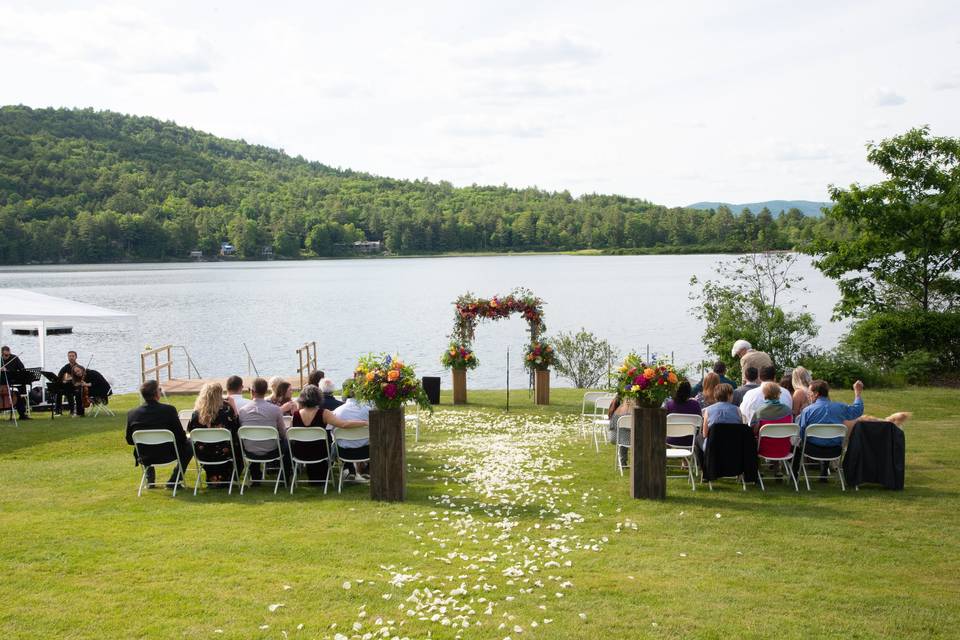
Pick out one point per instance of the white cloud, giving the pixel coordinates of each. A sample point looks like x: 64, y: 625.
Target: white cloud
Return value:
x: 528, y: 50
x: 884, y: 97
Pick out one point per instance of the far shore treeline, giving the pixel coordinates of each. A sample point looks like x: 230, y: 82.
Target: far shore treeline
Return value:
x: 79, y: 186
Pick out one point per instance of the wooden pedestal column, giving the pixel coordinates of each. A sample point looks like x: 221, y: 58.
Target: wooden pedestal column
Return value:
x: 388, y: 456
x: 459, y: 386
x: 541, y: 386
x: 648, y: 443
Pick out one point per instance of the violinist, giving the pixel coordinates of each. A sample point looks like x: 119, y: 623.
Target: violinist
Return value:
x: 11, y: 374
x: 65, y: 390
x: 88, y: 385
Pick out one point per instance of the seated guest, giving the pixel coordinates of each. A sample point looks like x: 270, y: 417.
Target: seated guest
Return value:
x: 312, y: 414
x: 152, y: 414
x: 720, y: 412
x: 259, y: 412
x: 823, y: 411
x: 235, y: 393
x: 681, y: 402
x: 719, y: 368
x: 801, y: 389
x: 273, y: 383
x: 327, y: 387
x: 212, y: 411
x: 707, y: 395
x: 353, y: 410
x: 773, y: 408
x: 786, y: 382
x: 753, y: 398
x: 750, y: 375
x: 283, y: 397
x: 315, y: 377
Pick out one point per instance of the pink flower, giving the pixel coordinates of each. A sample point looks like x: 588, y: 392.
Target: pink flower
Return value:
x: 390, y: 390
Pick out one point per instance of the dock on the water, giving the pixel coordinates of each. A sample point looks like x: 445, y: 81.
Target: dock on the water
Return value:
x: 191, y: 386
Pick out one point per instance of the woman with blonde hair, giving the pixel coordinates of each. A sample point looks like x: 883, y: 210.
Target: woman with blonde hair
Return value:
x: 708, y: 395
x: 211, y: 411
x: 802, y: 379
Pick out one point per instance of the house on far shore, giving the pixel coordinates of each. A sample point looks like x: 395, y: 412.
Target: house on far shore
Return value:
x: 267, y: 252
x: 367, y: 246
x: 227, y: 249
x: 196, y: 255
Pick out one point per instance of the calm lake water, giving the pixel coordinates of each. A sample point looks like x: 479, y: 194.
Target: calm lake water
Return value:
x: 350, y: 307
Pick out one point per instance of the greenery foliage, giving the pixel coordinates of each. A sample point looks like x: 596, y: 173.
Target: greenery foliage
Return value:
x: 582, y: 358
x: 745, y: 302
x: 96, y: 186
x: 902, y: 251
x: 885, y: 339
x: 842, y: 367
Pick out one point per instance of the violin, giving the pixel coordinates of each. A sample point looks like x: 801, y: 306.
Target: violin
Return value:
x: 85, y: 396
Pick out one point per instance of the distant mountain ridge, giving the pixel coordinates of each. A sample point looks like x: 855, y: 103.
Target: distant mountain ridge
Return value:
x: 806, y: 207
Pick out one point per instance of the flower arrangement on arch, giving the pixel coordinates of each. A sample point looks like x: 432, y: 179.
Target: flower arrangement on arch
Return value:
x: 459, y: 356
x: 540, y: 356
x: 647, y: 383
x: 469, y: 310
x: 388, y: 383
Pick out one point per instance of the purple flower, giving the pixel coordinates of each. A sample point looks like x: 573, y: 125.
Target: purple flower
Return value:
x: 390, y: 390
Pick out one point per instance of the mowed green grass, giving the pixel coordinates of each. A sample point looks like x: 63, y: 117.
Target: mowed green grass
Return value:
x: 83, y: 557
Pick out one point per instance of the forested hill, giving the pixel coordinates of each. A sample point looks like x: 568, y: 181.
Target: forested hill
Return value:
x: 806, y: 207
x: 92, y: 186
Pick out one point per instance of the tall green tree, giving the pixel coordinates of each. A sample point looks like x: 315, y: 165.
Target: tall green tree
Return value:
x: 902, y: 249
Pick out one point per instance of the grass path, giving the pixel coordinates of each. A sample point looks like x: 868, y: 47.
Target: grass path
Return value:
x: 514, y: 527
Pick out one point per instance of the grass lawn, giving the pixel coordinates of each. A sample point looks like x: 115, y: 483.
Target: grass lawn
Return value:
x: 513, y: 526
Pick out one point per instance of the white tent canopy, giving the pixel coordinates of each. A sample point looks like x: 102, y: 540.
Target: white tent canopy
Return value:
x: 20, y: 306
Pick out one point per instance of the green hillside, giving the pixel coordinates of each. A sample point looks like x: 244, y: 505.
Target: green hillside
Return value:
x: 95, y: 186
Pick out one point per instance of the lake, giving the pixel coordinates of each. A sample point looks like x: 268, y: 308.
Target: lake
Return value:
x: 350, y: 307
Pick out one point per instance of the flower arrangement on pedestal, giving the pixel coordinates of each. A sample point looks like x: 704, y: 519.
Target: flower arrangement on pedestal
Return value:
x: 388, y: 383
x: 469, y: 310
x: 539, y: 356
x: 647, y: 383
x: 459, y: 356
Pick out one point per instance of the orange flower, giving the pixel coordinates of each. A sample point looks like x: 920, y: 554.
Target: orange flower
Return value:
x: 672, y: 378
x: 370, y: 376
x: 393, y: 375
x: 648, y: 373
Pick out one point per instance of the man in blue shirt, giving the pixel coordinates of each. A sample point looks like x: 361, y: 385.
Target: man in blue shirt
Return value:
x: 823, y: 411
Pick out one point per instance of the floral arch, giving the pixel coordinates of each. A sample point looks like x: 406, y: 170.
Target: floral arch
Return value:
x: 470, y: 310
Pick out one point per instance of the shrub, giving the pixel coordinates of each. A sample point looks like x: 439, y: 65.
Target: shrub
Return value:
x: 887, y: 338
x: 582, y: 358
x: 918, y: 367
x: 841, y: 369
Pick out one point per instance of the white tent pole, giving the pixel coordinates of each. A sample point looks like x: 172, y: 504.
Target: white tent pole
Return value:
x: 42, y: 334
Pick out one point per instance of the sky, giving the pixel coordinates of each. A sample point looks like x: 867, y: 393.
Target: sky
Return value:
x: 672, y: 102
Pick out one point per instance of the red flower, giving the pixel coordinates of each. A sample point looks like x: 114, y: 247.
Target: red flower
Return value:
x: 390, y: 390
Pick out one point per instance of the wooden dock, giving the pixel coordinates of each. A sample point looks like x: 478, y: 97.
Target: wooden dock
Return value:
x: 191, y: 386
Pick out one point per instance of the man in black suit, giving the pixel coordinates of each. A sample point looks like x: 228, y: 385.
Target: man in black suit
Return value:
x: 152, y: 414
x: 11, y: 372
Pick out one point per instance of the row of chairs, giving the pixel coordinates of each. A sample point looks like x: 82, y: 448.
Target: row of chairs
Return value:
x: 258, y: 445
x: 776, y: 443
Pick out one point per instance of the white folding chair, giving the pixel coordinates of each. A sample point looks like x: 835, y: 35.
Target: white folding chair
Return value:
x: 772, y: 440
x: 213, y: 437
x: 301, y: 440
x: 588, y: 409
x: 601, y: 406
x: 348, y: 454
x: 143, y: 442
x: 682, y: 426
x: 288, y: 421
x: 185, y: 415
x: 624, y: 424
x: 411, y: 414
x: 824, y: 431
x: 260, y: 445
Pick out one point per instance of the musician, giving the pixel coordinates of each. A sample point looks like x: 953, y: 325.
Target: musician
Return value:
x: 88, y: 385
x: 11, y: 374
x: 63, y: 389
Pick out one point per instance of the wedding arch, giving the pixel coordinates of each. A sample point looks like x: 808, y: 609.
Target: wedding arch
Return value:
x: 470, y: 310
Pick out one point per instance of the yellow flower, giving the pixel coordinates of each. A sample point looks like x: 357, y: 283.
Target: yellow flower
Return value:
x: 648, y: 373
x: 635, y: 387
x: 623, y: 368
x: 453, y: 352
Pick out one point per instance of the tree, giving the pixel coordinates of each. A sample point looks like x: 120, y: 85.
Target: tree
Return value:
x: 902, y: 250
x: 745, y: 302
x: 582, y: 358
